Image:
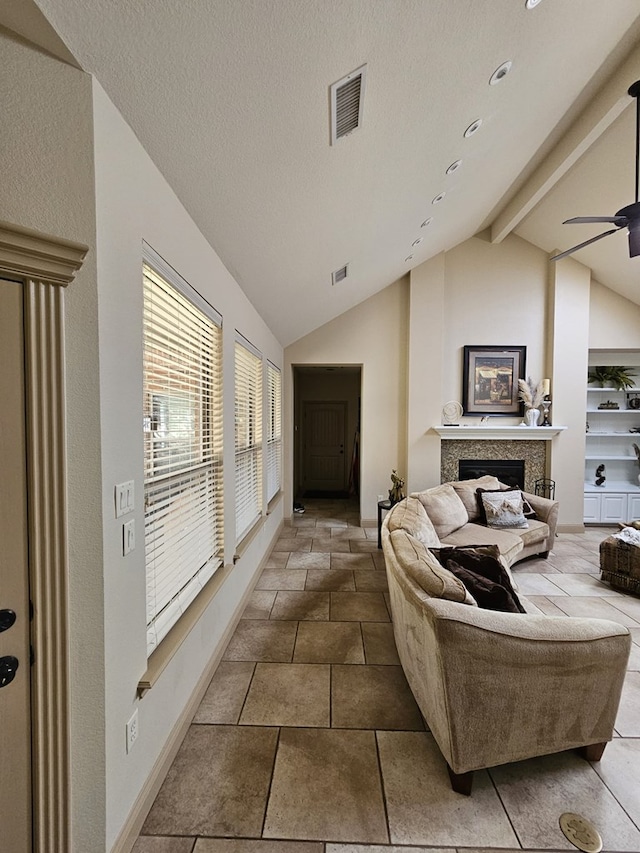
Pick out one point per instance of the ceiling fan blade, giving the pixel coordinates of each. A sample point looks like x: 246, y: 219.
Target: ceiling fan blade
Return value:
x: 634, y: 242
x: 582, y: 245
x: 580, y: 220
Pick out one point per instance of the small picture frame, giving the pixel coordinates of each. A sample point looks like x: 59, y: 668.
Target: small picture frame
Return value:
x: 490, y: 377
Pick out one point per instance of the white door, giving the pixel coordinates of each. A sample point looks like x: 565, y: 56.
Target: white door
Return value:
x: 324, y: 437
x: 15, y: 708
x: 614, y: 508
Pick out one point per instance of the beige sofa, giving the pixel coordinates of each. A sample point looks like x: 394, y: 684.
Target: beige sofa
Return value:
x: 496, y: 687
x: 454, y: 513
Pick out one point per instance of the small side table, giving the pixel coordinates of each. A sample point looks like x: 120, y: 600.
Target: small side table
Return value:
x: 382, y: 506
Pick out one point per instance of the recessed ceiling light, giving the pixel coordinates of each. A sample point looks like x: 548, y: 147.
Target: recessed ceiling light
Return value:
x: 438, y: 198
x: 500, y: 73
x: 474, y: 127
x: 452, y: 168
x: 427, y: 222
x: 409, y: 258
x: 531, y: 4
x: 417, y: 241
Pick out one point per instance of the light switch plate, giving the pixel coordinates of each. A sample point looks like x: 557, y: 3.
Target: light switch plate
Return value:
x: 128, y: 537
x: 124, y: 497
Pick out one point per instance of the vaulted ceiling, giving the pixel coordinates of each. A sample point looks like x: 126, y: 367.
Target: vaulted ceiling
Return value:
x: 231, y: 100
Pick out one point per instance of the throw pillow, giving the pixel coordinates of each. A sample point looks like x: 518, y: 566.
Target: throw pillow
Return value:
x: 489, y: 594
x: 411, y: 516
x: 466, y: 491
x: 502, y: 508
x: 444, y: 508
x: 425, y: 570
x: 484, y: 560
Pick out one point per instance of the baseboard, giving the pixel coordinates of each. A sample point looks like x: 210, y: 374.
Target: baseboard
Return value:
x: 570, y: 528
x: 368, y: 522
x: 131, y: 829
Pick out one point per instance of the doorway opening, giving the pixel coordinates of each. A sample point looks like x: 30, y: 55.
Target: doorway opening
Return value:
x: 326, y: 400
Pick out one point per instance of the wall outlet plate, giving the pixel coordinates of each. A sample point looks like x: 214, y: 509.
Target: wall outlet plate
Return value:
x: 132, y: 730
x: 128, y: 537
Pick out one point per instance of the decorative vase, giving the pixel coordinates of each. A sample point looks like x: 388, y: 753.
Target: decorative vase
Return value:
x: 531, y: 417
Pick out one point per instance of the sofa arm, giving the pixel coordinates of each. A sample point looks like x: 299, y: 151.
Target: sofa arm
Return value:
x: 546, y: 510
x: 518, y: 685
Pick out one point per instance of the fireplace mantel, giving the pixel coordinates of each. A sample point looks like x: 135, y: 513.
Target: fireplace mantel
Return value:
x: 498, y: 433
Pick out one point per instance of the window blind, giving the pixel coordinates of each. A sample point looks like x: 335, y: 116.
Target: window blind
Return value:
x: 274, y: 430
x: 182, y: 421
x: 248, y: 437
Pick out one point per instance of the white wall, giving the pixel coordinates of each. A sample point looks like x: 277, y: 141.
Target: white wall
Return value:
x: 134, y: 203
x: 374, y: 335
x: 47, y: 184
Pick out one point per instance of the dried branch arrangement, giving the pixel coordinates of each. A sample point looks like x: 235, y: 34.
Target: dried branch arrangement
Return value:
x: 531, y: 394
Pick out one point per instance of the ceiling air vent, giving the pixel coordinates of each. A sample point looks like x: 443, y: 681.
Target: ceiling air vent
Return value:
x: 340, y: 275
x: 347, y: 96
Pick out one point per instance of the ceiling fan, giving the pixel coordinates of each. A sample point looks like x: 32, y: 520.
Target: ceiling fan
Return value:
x: 626, y: 217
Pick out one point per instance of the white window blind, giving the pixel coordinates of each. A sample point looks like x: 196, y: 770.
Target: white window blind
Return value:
x: 248, y: 437
x: 182, y: 450
x: 274, y: 430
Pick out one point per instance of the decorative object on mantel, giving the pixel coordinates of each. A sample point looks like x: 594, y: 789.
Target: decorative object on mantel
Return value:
x: 600, y: 475
x: 395, y: 493
x: 608, y: 404
x: 451, y: 413
x: 532, y: 396
x: 546, y: 406
x: 614, y: 375
x: 490, y: 377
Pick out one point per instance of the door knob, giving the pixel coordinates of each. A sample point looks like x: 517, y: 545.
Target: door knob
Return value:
x: 8, y: 667
x: 7, y: 618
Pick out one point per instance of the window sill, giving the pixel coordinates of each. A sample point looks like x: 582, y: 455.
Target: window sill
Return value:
x: 162, y: 656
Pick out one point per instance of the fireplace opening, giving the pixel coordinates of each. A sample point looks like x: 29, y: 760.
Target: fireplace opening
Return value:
x: 508, y: 471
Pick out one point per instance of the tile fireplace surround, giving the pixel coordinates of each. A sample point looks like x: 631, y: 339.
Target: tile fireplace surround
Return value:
x: 533, y: 453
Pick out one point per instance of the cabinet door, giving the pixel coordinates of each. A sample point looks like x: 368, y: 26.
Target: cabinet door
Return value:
x: 592, y: 507
x: 633, y: 507
x: 613, y: 508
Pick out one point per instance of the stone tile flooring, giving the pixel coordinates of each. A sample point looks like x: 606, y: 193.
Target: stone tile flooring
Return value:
x: 309, y: 741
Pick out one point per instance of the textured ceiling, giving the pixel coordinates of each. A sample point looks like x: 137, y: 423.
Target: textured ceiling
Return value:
x: 230, y: 99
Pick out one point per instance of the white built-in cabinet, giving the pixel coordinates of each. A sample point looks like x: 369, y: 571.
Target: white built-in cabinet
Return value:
x: 610, y: 443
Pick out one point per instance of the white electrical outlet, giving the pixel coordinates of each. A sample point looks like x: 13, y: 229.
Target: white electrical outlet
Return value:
x: 132, y: 730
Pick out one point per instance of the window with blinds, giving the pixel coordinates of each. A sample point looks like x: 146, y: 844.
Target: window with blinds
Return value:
x: 274, y: 430
x: 248, y: 436
x: 182, y: 421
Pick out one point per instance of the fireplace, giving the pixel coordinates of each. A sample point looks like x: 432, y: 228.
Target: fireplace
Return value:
x: 508, y: 471
x: 488, y: 453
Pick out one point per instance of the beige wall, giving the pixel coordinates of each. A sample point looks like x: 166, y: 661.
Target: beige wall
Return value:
x: 46, y: 139
x: 134, y: 203
x: 374, y: 335
x: 614, y: 322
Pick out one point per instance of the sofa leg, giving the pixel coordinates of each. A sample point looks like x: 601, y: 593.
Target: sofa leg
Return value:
x: 461, y: 782
x: 544, y: 555
x: 593, y: 752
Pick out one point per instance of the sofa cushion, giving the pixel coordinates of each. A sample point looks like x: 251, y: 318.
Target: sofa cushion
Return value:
x: 423, y: 568
x: 503, y: 508
x: 466, y: 491
x: 444, y: 508
x: 538, y: 531
x: 484, y: 560
x: 489, y: 594
x: 508, y: 541
x: 411, y: 516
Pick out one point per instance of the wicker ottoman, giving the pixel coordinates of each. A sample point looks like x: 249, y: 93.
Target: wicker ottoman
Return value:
x: 620, y: 564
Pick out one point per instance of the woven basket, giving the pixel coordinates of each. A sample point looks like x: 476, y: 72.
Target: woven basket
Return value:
x: 620, y: 564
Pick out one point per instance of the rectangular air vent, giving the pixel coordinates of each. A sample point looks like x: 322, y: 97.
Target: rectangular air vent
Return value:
x: 347, y: 98
x: 340, y: 275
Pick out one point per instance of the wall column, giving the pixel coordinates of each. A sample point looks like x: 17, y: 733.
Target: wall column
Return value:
x: 569, y: 294
x: 425, y: 372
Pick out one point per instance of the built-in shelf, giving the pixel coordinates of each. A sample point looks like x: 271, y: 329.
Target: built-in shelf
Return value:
x: 622, y: 487
x: 498, y: 433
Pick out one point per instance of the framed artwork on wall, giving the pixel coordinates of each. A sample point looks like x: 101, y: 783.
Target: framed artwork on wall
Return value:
x: 490, y: 380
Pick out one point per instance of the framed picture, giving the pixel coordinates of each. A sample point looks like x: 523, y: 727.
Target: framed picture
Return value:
x: 490, y: 380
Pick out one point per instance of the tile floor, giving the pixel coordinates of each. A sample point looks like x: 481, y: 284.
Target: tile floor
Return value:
x: 309, y: 741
